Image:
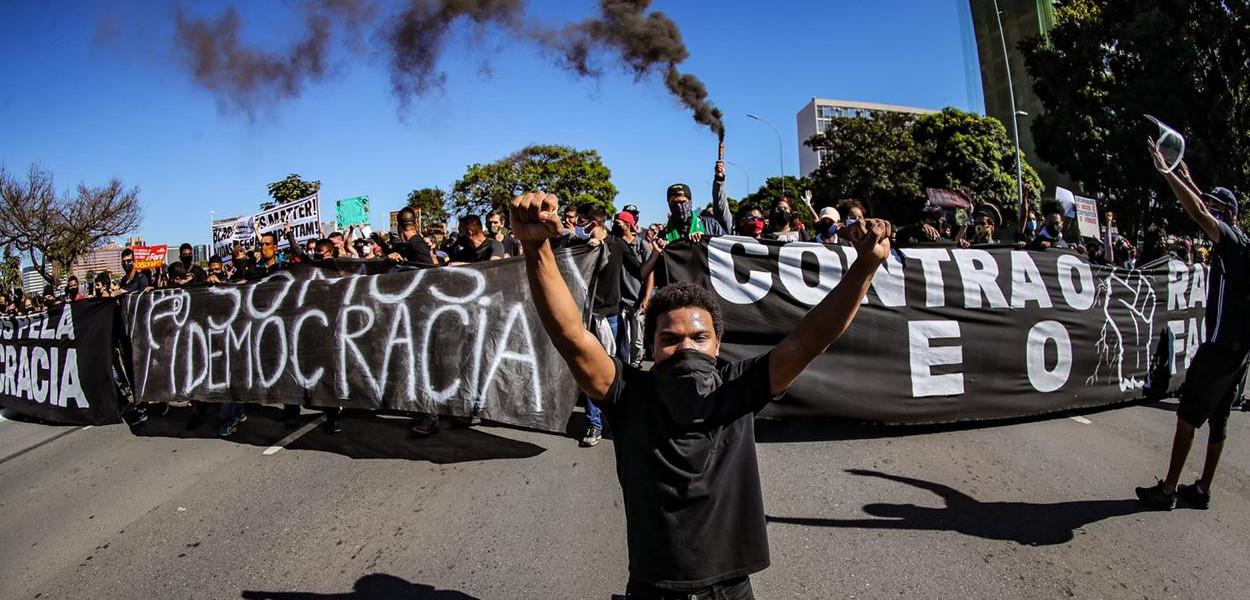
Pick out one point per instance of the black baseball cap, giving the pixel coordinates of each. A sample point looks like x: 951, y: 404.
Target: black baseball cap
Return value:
x: 630, y: 208
x: 679, y: 189
x: 1223, y: 197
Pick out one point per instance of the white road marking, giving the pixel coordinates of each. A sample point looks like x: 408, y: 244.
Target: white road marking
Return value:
x: 295, y: 435
x: 1082, y: 420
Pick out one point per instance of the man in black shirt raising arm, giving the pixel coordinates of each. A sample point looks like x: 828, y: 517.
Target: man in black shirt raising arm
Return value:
x: 1220, y: 363
x: 685, y: 437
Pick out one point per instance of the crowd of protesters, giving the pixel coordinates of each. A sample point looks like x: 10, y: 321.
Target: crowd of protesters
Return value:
x: 626, y: 280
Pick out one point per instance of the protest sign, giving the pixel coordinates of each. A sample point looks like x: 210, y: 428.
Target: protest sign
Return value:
x: 451, y: 340
x: 304, y: 215
x: 352, y: 211
x: 227, y: 232
x: 150, y: 257
x: 1086, y: 216
x: 57, y: 365
x: 950, y: 334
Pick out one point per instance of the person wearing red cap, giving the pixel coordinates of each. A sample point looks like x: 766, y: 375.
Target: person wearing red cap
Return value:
x: 635, y: 291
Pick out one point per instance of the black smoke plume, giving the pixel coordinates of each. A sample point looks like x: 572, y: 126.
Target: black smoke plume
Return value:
x: 646, y: 43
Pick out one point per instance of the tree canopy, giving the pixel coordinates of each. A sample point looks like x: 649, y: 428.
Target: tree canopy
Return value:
x: 430, y: 203
x: 290, y: 189
x: 887, y: 161
x: 55, y: 231
x: 767, y: 196
x: 1106, y: 63
x: 573, y: 175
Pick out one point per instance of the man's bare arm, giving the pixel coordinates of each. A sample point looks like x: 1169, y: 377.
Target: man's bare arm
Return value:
x: 1187, y: 192
x: 826, y: 322
x: 535, y: 220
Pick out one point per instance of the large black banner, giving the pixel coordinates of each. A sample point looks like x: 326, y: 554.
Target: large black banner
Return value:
x: 57, y: 365
x: 444, y: 340
x: 958, y: 334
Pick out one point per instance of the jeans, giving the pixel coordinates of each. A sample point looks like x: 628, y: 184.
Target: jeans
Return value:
x: 733, y: 589
x: 593, y: 415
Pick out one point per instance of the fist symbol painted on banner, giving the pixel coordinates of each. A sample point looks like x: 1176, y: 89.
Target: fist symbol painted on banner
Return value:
x: 1124, y: 348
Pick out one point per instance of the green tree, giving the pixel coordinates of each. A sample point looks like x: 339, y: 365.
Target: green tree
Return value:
x: 571, y: 174
x: 1108, y: 62
x: 767, y: 196
x: 290, y: 189
x: 431, y: 203
x: 973, y: 154
x: 871, y: 159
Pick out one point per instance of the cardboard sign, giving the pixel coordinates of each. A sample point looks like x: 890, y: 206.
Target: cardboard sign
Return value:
x: 352, y: 211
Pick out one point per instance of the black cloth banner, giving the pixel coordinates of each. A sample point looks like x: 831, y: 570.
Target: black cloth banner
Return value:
x: 441, y: 340
x: 58, y: 365
x: 957, y: 334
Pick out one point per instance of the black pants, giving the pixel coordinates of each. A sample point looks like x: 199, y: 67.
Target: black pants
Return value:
x: 732, y: 589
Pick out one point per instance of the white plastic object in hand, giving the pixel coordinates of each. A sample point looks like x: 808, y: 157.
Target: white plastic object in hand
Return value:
x: 1170, y: 144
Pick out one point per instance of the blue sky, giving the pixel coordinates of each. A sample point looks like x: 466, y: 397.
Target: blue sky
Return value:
x: 95, y: 90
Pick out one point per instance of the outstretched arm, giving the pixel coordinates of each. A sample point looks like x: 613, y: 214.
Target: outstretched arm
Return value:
x: 826, y: 322
x: 720, y: 198
x: 1187, y: 192
x: 535, y: 221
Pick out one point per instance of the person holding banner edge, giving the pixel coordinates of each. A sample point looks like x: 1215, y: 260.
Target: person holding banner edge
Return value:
x: 685, y: 429
x: 1211, y: 383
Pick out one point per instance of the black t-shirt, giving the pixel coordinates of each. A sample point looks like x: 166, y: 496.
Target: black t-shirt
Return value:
x: 135, y: 282
x: 466, y: 252
x: 694, y: 510
x: 1228, y: 289
x: 415, y: 251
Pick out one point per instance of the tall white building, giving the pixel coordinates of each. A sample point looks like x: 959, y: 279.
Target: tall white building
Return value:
x: 32, y: 282
x: 107, y: 258
x: 816, y: 115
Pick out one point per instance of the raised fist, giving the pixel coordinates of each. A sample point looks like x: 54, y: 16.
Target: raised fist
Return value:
x: 871, y: 238
x: 535, y: 217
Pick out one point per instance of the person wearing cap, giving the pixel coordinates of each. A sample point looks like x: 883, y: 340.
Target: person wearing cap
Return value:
x: 1218, y: 367
x: 684, y: 223
x: 827, y: 223
x: 635, y: 290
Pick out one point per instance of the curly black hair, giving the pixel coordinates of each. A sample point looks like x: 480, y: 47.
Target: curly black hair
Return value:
x: 682, y: 295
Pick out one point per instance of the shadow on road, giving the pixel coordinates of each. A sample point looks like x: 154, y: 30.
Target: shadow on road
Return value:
x: 1021, y: 522
x: 365, y: 435
x: 377, y: 586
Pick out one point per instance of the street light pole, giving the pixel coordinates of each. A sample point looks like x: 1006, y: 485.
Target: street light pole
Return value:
x: 781, y: 157
x: 1015, y: 125
x: 744, y: 172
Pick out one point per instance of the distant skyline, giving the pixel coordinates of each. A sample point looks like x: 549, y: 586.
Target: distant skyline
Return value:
x: 96, y: 90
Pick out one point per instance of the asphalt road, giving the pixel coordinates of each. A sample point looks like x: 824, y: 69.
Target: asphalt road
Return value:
x: 1040, y: 509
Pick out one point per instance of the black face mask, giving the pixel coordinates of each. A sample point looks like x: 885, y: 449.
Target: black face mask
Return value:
x: 687, y: 382
x: 128, y: 265
x: 71, y: 293
x: 185, y: 259
x: 682, y: 212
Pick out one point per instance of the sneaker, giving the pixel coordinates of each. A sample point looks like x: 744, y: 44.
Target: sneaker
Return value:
x: 1154, y: 497
x: 228, y: 428
x: 161, y: 409
x: 137, y: 416
x: 592, y: 437
x: 332, y: 427
x: 1194, y: 496
x: 425, y: 424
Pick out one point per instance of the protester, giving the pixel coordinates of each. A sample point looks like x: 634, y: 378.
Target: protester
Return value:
x: 71, y: 289
x: 474, y: 245
x: 498, y: 230
x: 410, y: 247
x: 133, y: 281
x: 1051, y: 233
x: 102, y: 286
x: 216, y: 271
x: 827, y: 223
x: 749, y: 221
x: 780, y: 224
x: 1030, y: 227
x: 1219, y: 366
x: 683, y: 224
x: 635, y: 292
x: 928, y: 230
x: 685, y: 429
